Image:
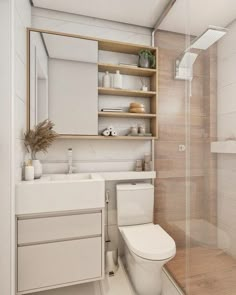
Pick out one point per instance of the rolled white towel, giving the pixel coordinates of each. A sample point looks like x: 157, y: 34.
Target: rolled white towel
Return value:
x: 113, y: 133
x: 110, y: 128
x: 106, y: 132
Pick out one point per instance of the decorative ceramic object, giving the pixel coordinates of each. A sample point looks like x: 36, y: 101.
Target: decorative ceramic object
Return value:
x: 107, y: 80
x: 147, y: 162
x: 144, y: 88
x: 141, y: 129
x: 38, y: 169
x: 134, y: 130
x: 136, y: 108
x: 146, y: 59
x: 118, y: 80
x: 139, y: 165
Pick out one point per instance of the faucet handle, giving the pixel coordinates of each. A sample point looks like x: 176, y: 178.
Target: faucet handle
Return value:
x: 72, y: 169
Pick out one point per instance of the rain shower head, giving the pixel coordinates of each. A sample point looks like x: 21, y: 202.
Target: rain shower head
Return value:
x: 208, y: 38
x: 184, y: 64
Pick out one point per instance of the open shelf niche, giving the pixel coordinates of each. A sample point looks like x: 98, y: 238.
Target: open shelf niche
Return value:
x: 112, y: 93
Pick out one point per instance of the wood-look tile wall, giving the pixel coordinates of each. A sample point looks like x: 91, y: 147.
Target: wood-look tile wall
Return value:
x: 171, y: 205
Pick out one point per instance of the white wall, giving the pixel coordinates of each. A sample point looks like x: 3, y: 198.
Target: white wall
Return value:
x: 226, y: 125
x: 6, y: 127
x: 22, y: 18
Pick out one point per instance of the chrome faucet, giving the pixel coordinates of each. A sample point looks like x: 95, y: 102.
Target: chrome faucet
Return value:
x: 71, y: 169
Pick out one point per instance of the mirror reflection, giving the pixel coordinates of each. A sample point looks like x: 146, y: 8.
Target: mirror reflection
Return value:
x: 63, y: 83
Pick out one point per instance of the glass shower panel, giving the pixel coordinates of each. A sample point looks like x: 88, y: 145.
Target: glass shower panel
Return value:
x: 195, y: 189
x: 170, y: 155
x: 211, y: 235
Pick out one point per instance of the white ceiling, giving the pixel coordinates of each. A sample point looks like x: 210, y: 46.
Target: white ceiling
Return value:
x: 137, y: 12
x: 198, y: 13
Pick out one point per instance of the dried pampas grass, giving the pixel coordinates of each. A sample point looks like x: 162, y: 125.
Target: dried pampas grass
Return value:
x: 40, y: 138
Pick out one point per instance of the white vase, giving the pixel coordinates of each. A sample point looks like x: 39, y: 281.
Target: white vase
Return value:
x: 106, y: 80
x: 38, y: 169
x: 118, y: 80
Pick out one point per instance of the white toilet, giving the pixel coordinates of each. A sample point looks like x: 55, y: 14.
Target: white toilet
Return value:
x: 147, y: 246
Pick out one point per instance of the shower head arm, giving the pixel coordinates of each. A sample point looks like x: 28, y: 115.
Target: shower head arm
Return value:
x: 184, y: 65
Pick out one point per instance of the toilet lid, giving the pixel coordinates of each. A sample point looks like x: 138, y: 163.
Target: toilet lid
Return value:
x: 149, y: 241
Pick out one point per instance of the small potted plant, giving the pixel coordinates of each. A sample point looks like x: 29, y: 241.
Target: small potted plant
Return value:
x: 37, y: 140
x: 146, y: 59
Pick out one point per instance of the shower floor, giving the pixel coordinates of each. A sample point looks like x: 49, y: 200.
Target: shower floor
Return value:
x: 209, y: 271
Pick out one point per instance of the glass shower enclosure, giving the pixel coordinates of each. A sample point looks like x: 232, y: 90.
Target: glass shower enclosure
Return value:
x: 195, y: 156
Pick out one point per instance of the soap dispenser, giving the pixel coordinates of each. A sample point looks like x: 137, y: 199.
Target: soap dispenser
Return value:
x: 118, y: 80
x: 107, y: 80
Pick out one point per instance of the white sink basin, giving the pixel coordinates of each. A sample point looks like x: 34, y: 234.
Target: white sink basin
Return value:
x: 60, y: 192
x: 78, y: 176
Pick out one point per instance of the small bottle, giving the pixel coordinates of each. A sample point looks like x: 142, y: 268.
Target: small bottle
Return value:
x: 147, y: 162
x: 139, y: 166
x: 141, y: 129
x: 107, y: 80
x: 134, y: 130
x: 118, y: 80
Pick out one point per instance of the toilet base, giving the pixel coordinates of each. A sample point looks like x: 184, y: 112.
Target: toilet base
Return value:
x: 145, y: 275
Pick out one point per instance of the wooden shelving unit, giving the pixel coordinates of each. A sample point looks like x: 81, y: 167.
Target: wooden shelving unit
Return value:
x: 152, y: 74
x: 126, y: 70
x: 95, y: 137
x: 125, y: 92
x: 126, y: 115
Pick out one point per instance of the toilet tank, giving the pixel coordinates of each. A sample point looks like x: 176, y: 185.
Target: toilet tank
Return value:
x: 134, y: 203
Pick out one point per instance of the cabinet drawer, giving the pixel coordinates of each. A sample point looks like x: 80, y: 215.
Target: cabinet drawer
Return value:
x: 54, y: 228
x: 52, y: 264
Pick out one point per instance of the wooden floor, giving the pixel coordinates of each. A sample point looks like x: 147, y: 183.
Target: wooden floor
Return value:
x: 205, y: 271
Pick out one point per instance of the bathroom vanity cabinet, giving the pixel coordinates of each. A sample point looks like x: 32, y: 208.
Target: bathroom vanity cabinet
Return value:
x: 56, y: 250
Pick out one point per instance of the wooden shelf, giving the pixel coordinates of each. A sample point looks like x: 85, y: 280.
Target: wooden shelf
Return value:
x: 125, y: 92
x: 96, y: 137
x: 103, y: 44
x: 126, y: 70
x: 126, y: 115
x: 122, y: 47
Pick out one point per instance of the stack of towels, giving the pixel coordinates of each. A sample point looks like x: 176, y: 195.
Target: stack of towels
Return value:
x: 109, y: 131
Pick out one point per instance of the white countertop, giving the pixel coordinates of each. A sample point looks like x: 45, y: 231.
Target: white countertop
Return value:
x: 107, y: 176
x: 127, y: 175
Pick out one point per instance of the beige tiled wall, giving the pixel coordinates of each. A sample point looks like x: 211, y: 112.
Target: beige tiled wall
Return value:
x: 178, y: 114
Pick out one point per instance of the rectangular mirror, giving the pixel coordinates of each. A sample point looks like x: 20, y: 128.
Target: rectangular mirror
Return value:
x: 63, y: 82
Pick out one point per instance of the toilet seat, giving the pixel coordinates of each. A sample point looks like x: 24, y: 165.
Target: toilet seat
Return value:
x: 149, y: 241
